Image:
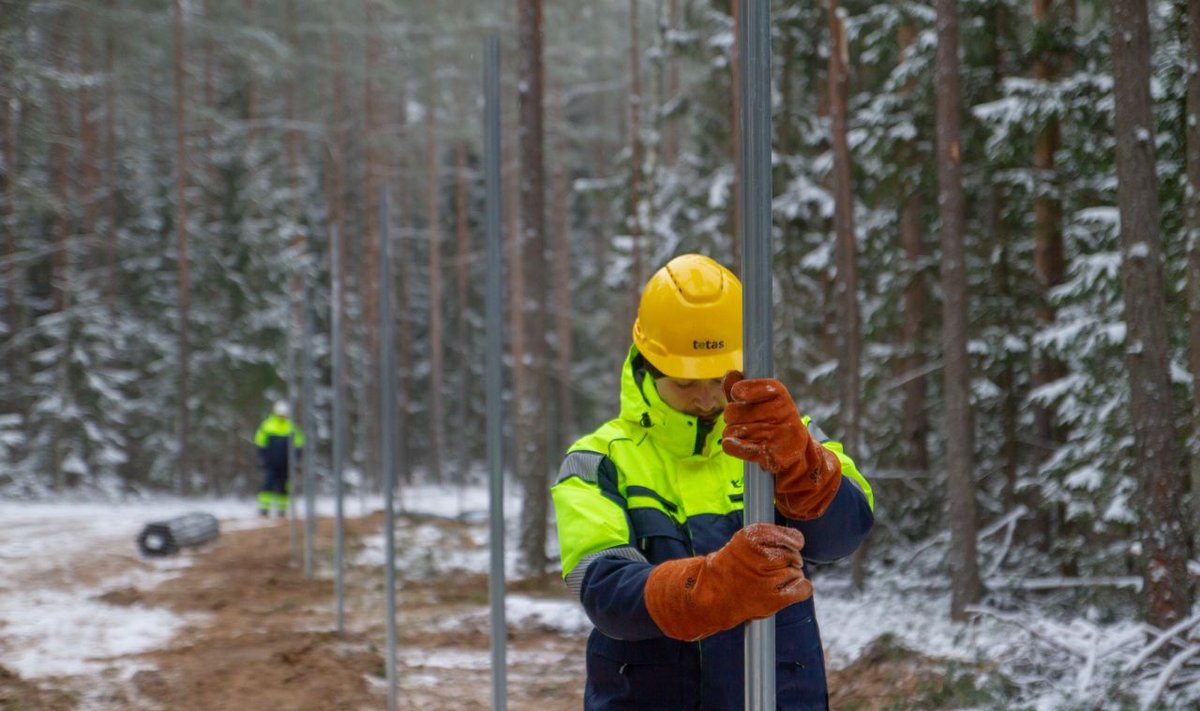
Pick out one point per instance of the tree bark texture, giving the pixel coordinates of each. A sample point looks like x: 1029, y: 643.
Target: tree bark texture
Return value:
x: 633, y: 215
x: 672, y: 128
x: 436, y: 361
x: 337, y: 149
x: 532, y: 431
x: 1049, y: 262
x: 181, y: 245
x: 846, y: 252
x: 62, y: 170
x: 89, y: 163
x: 12, y: 272
x: 250, y: 89
x: 373, y: 159
x: 846, y: 284
x: 564, y: 423
x: 62, y: 261
x: 111, y: 182
x: 735, y: 139
x: 916, y: 420
x: 462, y: 273
x: 1157, y: 461
x: 960, y: 505
x: 1192, y: 222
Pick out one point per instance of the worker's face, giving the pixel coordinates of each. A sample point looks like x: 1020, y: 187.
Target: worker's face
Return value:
x: 699, y: 398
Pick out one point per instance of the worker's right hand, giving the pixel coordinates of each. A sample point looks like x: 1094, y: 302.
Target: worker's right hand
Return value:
x: 756, y: 574
x: 763, y: 426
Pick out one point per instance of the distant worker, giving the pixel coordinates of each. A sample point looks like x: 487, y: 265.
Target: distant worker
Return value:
x: 272, y: 442
x: 650, y: 513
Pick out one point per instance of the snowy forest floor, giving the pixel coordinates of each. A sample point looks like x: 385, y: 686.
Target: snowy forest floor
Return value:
x: 87, y: 623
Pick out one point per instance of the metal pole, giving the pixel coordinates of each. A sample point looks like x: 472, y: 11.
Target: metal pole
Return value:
x: 754, y: 43
x: 387, y: 424
x: 339, y: 432
x: 310, y: 460
x: 293, y: 537
x: 492, y: 373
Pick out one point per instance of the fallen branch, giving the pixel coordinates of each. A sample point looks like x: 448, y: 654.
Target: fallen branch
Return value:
x: 1010, y: 528
x: 1173, y: 666
x: 1160, y: 641
x: 1093, y: 654
x: 986, y: 531
x: 1001, y: 522
x: 1018, y: 622
x: 1084, y: 679
x: 1059, y: 583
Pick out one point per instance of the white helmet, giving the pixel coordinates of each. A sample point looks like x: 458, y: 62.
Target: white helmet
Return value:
x: 281, y: 409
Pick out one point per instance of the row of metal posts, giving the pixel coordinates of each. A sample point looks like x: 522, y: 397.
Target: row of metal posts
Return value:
x: 756, y: 191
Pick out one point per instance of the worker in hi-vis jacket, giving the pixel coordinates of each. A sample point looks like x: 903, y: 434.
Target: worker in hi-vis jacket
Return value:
x: 649, y: 512
x: 271, y: 439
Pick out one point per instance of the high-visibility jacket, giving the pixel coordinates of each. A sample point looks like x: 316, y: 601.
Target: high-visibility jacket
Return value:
x: 271, y: 439
x: 654, y: 485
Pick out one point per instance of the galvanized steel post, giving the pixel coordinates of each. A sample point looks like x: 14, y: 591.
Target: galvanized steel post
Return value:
x: 293, y: 536
x: 754, y: 43
x: 495, y: 351
x: 310, y: 440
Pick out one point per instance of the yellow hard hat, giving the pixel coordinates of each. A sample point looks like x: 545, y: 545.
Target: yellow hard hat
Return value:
x: 689, y: 321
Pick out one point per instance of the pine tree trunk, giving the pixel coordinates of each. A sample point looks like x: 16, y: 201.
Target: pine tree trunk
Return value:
x: 960, y: 512
x: 251, y: 89
x: 561, y: 226
x: 62, y: 275
x: 633, y: 215
x: 210, y: 95
x: 299, y: 246
x: 89, y: 166
x: 532, y: 432
x: 110, y: 180
x: 374, y: 178
x: 403, y: 271
x: 337, y: 200
x: 1157, y: 460
x: 1010, y: 398
x: 182, y: 485
x: 60, y: 165
x: 1048, y: 257
x: 12, y: 272
x: 916, y: 419
x: 437, y: 413
x: 735, y: 139
x: 846, y: 284
x: 672, y: 128
x: 1192, y: 208
x: 462, y: 285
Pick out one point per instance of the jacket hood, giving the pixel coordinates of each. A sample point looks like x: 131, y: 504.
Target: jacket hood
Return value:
x: 671, y: 429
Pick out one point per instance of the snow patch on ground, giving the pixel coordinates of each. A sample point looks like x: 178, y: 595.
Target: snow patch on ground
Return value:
x: 47, y: 631
x: 52, y: 633
x: 849, y: 622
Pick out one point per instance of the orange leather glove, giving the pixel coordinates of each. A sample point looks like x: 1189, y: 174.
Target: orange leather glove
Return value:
x: 763, y: 426
x: 756, y: 574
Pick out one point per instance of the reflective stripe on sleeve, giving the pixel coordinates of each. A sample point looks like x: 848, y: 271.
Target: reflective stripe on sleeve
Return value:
x: 585, y: 465
x: 575, y: 578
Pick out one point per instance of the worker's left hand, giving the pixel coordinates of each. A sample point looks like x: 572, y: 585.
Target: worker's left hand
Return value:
x: 763, y: 426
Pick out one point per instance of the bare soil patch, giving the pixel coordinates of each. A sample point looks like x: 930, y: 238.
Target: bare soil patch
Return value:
x: 262, y: 637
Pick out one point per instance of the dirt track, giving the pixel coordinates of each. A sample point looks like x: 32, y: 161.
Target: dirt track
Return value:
x: 264, y: 638
x: 261, y: 638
